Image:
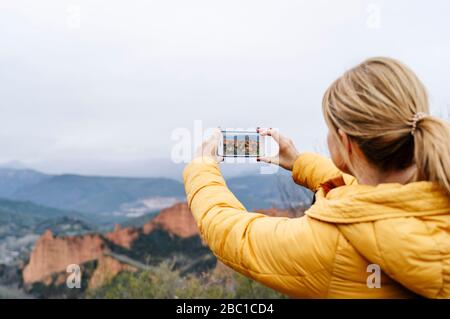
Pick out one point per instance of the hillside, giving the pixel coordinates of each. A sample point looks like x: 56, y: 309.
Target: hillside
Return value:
x: 25, y: 212
x: 110, y: 200
x: 267, y: 191
x: 96, y: 194
x: 12, y: 180
x: 21, y: 223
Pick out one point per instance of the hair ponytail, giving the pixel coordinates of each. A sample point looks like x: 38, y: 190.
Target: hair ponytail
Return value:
x: 432, y: 151
x: 382, y: 105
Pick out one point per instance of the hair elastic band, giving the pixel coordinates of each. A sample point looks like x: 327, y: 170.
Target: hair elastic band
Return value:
x: 416, y: 119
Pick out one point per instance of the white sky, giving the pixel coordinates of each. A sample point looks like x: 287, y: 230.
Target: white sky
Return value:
x: 111, y: 89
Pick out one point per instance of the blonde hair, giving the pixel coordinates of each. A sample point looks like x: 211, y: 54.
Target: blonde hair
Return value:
x: 377, y: 104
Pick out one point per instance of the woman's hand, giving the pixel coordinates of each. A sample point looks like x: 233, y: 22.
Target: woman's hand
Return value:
x: 287, y: 152
x: 209, y: 147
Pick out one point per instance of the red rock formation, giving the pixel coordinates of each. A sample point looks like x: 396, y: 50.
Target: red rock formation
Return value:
x: 176, y: 220
x: 123, y: 236
x: 53, y: 254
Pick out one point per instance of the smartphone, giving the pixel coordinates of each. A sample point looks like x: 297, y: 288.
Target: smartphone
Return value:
x: 241, y: 143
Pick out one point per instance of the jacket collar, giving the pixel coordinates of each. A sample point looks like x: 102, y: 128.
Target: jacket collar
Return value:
x: 340, y: 203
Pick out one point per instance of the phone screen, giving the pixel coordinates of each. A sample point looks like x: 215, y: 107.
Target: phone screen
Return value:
x: 241, y: 144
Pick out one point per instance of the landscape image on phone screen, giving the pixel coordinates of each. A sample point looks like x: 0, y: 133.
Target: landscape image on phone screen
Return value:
x: 241, y: 145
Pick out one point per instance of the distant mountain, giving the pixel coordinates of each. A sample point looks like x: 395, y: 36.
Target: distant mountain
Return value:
x: 259, y: 191
x: 110, y: 200
x: 156, y: 167
x: 28, y: 213
x: 12, y: 180
x: 94, y: 194
x: 267, y: 191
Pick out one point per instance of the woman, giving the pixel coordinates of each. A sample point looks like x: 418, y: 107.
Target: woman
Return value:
x: 383, y: 202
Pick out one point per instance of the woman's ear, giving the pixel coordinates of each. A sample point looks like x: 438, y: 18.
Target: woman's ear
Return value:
x: 346, y: 142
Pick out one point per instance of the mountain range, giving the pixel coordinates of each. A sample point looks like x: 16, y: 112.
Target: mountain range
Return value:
x: 31, y: 202
x: 106, y: 198
x: 110, y: 200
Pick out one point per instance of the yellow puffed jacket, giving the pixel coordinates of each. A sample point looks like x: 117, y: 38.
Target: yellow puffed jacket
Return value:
x: 404, y: 229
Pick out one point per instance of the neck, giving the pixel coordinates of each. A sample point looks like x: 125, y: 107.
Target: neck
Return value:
x: 373, y: 176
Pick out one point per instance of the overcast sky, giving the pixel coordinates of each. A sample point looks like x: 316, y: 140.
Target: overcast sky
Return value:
x: 90, y: 85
